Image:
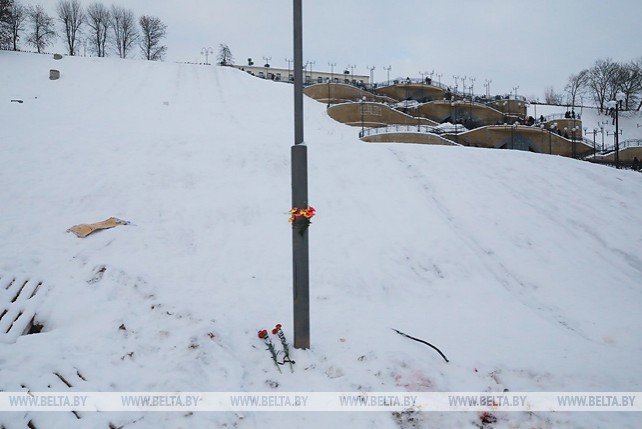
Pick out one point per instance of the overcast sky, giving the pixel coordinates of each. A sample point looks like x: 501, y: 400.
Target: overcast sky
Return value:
x: 530, y: 44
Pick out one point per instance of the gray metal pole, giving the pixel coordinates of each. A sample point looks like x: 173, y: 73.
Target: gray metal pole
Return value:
x: 617, y: 137
x: 299, y: 154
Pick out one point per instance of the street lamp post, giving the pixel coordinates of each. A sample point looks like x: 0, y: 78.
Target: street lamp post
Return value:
x: 352, y: 67
x: 331, y: 79
x: 363, y: 128
x: 372, y: 69
x: 550, y: 132
x: 487, y: 83
x: 407, y: 97
x: 512, y: 135
x: 267, y: 66
x: 387, y: 69
x: 423, y: 78
x: 454, y: 113
x: 308, y: 78
x: 299, y: 156
x: 619, y: 98
x: 602, y: 130
x: 289, y: 61
x: 470, y: 105
x: 207, y: 52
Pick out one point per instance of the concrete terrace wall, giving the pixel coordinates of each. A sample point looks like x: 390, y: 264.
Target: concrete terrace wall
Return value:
x: 566, y: 125
x: 340, y: 93
x: 626, y: 155
x: 521, y: 138
x: 374, y: 115
x: 447, y: 111
x: 512, y: 107
x: 408, y: 137
x: 412, y: 91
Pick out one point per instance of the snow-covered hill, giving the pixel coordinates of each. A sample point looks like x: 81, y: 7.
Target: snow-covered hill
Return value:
x: 523, y: 268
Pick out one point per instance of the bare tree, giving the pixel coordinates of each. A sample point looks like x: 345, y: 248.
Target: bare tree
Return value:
x: 5, y: 16
x: 16, y: 23
x: 552, y: 97
x: 153, y: 31
x: 637, y: 65
x: 72, y: 16
x: 224, y: 57
x: 5, y: 5
x: 98, y: 20
x: 42, y: 28
x: 575, y: 86
x: 123, y: 25
x: 600, y: 81
x: 627, y: 79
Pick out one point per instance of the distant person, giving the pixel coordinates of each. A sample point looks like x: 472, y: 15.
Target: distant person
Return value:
x: 541, y: 118
x: 567, y: 115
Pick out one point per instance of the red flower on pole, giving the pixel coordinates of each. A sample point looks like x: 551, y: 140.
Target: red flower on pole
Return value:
x: 307, y: 213
x: 263, y: 334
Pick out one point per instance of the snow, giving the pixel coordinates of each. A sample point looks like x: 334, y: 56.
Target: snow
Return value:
x: 592, y: 119
x: 524, y: 269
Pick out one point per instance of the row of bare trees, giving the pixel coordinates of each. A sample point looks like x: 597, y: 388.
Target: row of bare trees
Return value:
x: 4, y: 17
x: 102, y: 27
x: 600, y: 84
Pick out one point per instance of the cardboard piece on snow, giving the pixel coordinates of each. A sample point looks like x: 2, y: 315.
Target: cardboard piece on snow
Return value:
x: 84, y: 229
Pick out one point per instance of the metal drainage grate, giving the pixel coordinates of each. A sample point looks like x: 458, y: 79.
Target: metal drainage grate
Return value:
x: 18, y: 303
x: 52, y: 383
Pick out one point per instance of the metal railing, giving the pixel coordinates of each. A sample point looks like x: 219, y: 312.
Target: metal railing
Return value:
x: 401, y: 128
x: 454, y: 91
x: 412, y: 80
x: 589, y: 142
x: 554, y: 116
x: 407, y: 128
x: 624, y: 144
